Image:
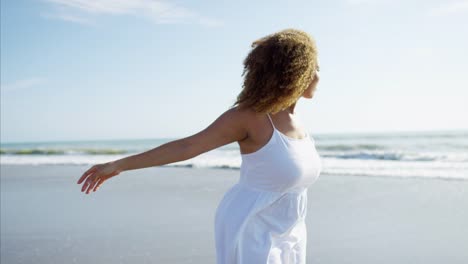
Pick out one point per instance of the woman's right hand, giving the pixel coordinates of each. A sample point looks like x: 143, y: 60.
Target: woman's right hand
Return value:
x: 95, y: 176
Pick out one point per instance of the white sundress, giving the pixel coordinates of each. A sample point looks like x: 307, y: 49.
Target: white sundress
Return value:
x: 261, y: 219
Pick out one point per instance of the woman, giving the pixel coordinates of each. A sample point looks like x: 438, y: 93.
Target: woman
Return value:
x: 261, y: 218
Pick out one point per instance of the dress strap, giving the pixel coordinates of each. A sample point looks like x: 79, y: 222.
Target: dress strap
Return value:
x: 271, y: 121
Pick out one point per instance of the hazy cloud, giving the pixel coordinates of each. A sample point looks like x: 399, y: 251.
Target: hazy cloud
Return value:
x: 68, y: 17
x: 21, y: 84
x: 161, y: 12
x: 450, y: 8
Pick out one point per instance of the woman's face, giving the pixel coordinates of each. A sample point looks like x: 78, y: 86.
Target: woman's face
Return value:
x: 309, y: 92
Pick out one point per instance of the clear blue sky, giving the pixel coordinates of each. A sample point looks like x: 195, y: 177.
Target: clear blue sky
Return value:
x: 78, y: 70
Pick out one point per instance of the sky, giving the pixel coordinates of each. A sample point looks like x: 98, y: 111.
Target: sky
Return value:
x: 140, y: 69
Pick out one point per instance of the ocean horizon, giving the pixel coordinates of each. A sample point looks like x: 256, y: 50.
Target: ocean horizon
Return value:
x: 431, y: 154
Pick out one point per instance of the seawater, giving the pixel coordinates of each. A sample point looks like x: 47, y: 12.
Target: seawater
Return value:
x: 412, y: 154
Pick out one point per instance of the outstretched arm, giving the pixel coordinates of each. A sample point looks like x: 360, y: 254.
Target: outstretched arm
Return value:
x: 227, y: 128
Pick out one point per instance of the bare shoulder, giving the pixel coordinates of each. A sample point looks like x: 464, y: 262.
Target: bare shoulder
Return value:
x: 230, y: 126
x: 246, y: 118
x: 236, y: 118
x: 243, y: 115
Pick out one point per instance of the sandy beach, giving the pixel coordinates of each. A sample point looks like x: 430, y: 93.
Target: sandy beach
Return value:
x: 165, y: 215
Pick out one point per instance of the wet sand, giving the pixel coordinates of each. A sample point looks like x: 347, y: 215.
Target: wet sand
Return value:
x: 166, y: 215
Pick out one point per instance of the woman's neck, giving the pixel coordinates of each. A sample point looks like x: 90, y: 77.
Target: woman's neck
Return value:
x: 291, y: 109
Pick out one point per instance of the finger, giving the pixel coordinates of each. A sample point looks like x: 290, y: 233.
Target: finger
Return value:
x: 87, y: 183
x: 93, y: 184
x: 103, y: 179
x: 91, y: 170
x: 90, y: 186
x: 98, y: 183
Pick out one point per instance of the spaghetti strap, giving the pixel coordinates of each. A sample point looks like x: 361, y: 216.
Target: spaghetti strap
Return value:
x: 271, y: 121
x: 274, y: 128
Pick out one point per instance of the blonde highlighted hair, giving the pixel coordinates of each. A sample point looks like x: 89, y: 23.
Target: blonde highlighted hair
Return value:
x: 277, y: 71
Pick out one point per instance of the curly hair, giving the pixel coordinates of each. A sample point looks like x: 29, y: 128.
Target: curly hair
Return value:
x: 277, y: 71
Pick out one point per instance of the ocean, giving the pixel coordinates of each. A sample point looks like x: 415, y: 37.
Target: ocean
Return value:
x: 410, y: 154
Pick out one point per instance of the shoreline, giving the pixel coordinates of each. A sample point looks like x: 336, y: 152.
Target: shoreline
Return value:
x: 86, y: 166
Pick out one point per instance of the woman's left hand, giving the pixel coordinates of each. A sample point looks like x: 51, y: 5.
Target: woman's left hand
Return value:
x: 95, y: 176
